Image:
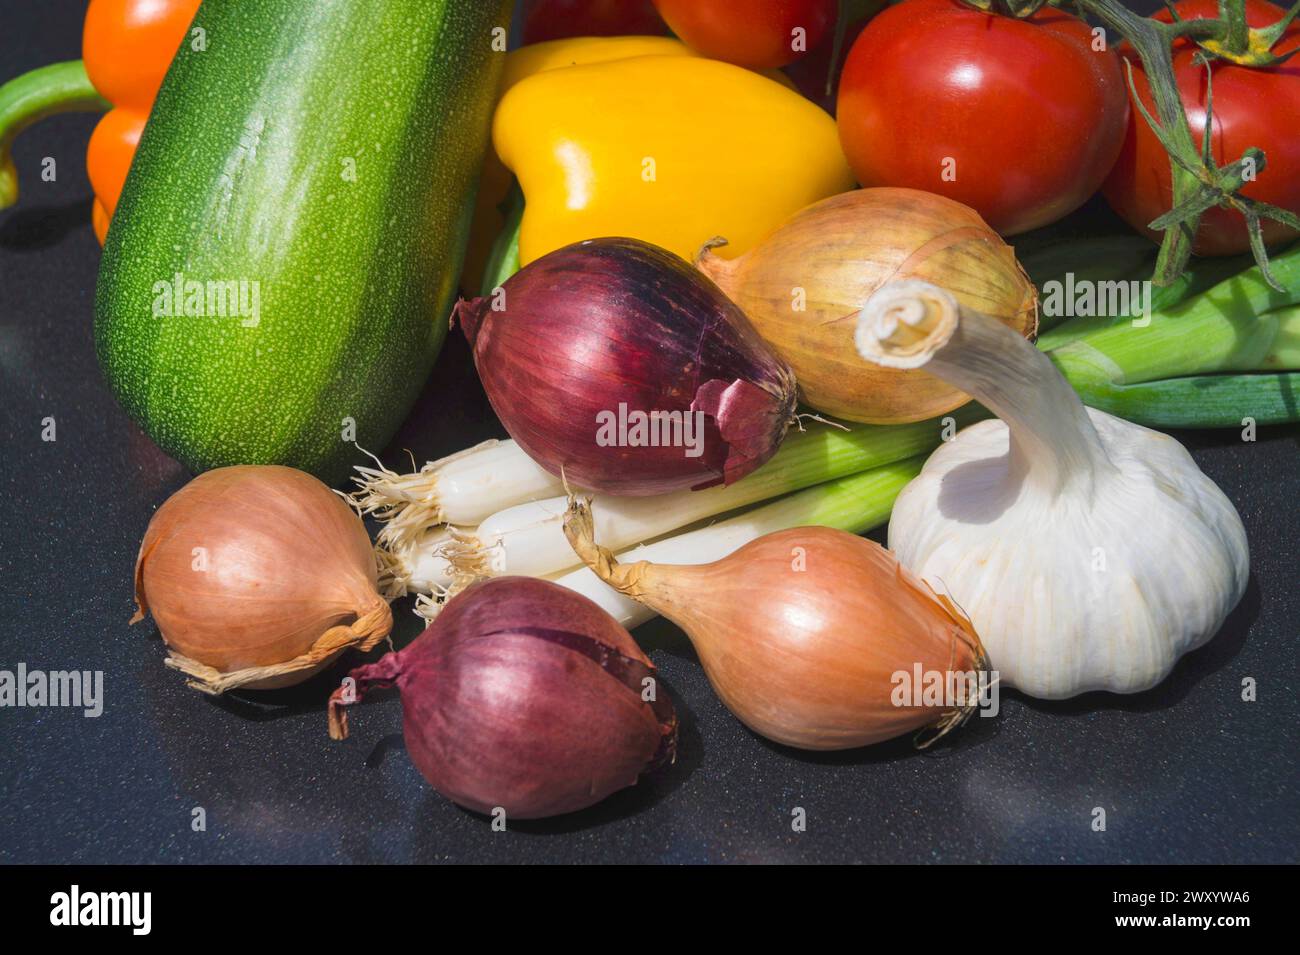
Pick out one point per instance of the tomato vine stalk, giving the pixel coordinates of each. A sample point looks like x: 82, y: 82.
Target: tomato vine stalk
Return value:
x: 1199, y: 184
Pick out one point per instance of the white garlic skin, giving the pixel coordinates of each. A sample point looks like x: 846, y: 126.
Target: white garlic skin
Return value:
x: 1026, y: 563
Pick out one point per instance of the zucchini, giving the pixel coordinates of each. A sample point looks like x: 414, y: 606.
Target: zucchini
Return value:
x: 277, y: 278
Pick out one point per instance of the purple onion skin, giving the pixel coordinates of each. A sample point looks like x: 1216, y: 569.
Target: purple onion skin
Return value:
x: 617, y: 321
x: 526, y: 696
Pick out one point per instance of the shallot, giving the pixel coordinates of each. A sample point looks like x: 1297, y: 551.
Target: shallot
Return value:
x: 258, y: 576
x: 807, y: 634
x: 803, y: 285
x: 525, y: 697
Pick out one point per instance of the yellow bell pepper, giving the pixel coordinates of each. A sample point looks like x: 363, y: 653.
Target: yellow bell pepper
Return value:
x: 494, y: 183
x: 672, y: 150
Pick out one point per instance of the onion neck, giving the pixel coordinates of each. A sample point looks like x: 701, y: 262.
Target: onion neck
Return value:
x: 913, y: 324
x: 722, y: 271
x: 469, y: 314
x: 580, y: 530
x: 374, y: 676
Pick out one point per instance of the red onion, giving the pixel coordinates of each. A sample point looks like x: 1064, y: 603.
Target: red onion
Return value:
x: 616, y: 362
x: 525, y: 696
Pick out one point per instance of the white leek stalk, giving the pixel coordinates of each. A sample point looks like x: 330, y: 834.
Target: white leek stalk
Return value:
x: 856, y: 504
x: 1090, y: 553
x: 528, y: 539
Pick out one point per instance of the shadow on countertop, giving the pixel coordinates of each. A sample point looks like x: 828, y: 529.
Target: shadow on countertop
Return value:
x: 34, y: 228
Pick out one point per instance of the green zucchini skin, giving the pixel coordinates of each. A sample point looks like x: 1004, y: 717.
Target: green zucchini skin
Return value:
x: 245, y: 174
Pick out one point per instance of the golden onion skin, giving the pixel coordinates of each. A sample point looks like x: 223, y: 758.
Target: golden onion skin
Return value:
x: 819, y: 673
x: 806, y: 633
x: 834, y: 254
x: 251, y: 566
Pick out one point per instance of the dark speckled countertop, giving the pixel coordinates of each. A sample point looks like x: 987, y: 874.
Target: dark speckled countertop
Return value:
x: 1187, y: 772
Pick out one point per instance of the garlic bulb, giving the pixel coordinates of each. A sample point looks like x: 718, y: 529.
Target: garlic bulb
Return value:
x: 1090, y: 553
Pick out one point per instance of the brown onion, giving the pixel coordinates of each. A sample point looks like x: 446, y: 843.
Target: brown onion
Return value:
x: 803, y: 286
x: 614, y: 361
x: 523, y: 696
x: 258, y: 576
x: 804, y: 633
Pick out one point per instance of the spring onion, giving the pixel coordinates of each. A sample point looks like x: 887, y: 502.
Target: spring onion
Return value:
x: 462, y: 488
x: 1077, y: 263
x: 1201, y: 276
x: 528, y: 538
x: 416, y: 564
x: 856, y: 504
x: 1171, y: 372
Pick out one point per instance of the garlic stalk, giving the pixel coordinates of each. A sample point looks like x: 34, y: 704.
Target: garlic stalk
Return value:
x: 1090, y: 553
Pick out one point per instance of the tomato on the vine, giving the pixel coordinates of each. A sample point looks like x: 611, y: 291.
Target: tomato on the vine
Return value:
x: 558, y: 19
x: 1251, y: 106
x: 758, y: 34
x: 1020, y: 119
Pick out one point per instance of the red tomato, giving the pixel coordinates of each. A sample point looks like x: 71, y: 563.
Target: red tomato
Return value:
x: 758, y: 34
x: 557, y: 19
x: 1252, y: 107
x: 1019, y: 119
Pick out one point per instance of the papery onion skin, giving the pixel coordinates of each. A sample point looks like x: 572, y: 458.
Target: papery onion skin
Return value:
x: 524, y: 696
x: 840, y: 250
x: 255, y: 566
x: 610, y: 322
x: 802, y: 631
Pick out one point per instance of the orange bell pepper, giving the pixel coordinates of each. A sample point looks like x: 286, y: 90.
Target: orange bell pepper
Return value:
x: 127, y: 46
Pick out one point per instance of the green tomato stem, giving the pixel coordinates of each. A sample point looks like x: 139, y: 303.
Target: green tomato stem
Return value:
x: 503, y: 259
x: 1198, y: 184
x: 1153, y: 44
x: 1236, y: 35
